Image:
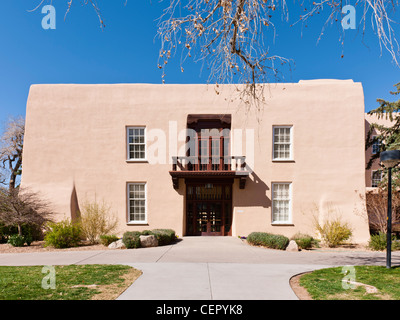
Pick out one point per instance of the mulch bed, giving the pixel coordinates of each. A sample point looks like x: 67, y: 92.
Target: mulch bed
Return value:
x: 38, y: 246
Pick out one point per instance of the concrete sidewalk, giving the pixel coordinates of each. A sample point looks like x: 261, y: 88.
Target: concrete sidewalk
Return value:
x: 208, y: 268
x: 214, y: 281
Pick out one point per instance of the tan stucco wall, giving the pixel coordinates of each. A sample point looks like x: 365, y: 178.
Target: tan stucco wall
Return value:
x: 76, y: 142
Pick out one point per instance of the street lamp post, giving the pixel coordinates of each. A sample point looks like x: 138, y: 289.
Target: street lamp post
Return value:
x: 389, y: 159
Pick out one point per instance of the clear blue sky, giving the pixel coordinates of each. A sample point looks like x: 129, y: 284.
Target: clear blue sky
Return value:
x: 126, y: 51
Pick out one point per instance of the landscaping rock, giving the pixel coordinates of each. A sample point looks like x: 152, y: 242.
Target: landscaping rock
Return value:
x: 117, y: 245
x: 148, y: 241
x: 293, y: 247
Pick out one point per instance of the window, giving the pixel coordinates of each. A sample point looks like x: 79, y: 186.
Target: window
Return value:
x: 281, y: 203
x: 136, y: 143
x: 282, y: 143
x: 376, y: 146
x: 137, y: 203
x: 376, y: 178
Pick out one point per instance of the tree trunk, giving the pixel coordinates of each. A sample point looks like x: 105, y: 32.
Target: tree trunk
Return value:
x: 14, y: 172
x: 11, y: 185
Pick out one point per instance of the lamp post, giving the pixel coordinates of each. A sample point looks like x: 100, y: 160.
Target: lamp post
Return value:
x: 389, y: 159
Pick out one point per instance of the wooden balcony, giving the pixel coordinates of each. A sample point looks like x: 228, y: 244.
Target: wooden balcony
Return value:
x: 209, y: 167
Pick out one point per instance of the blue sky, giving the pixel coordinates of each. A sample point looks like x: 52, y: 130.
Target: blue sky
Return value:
x: 126, y: 51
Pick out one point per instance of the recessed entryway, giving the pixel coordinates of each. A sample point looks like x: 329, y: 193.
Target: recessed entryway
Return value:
x: 208, y: 208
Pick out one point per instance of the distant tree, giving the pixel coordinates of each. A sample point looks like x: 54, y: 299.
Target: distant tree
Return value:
x: 376, y: 205
x: 388, y: 136
x: 11, y: 145
x: 19, y: 207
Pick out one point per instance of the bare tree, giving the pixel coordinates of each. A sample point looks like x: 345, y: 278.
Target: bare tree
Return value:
x: 11, y: 145
x: 233, y: 37
x: 376, y: 205
x: 19, y: 207
x: 228, y: 37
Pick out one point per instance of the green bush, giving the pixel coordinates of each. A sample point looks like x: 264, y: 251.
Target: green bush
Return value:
x: 6, y: 232
x: 304, y: 241
x: 164, y: 236
x: 333, y: 231
x: 273, y: 241
x: 106, y: 240
x: 64, y: 234
x: 131, y: 239
x: 28, y: 239
x: 30, y: 232
x: 378, y: 242
x: 146, y: 233
x: 16, y: 240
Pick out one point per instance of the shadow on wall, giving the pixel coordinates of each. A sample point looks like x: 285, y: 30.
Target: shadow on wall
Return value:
x: 254, y: 194
x: 74, y: 205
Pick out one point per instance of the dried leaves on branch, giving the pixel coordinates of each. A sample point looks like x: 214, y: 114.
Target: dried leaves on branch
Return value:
x: 234, y: 37
x: 228, y: 36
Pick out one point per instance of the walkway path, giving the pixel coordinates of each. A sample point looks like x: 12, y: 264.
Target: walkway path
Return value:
x: 208, y: 268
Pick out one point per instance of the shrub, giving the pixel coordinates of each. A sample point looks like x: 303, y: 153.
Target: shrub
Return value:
x: 96, y: 220
x: 147, y: 233
x: 3, y: 238
x: 378, y: 242
x: 6, y: 232
x: 273, y: 241
x: 29, y: 232
x: 131, y: 239
x: 304, y: 241
x: 164, y: 236
x: 28, y: 239
x: 106, y: 240
x: 333, y: 231
x: 16, y: 240
x: 63, y: 234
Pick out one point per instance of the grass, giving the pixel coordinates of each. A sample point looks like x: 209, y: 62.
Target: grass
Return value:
x: 72, y: 282
x: 326, y: 284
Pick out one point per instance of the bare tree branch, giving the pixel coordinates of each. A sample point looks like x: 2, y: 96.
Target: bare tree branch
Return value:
x: 19, y: 207
x: 231, y: 38
x: 226, y: 36
x: 11, y: 145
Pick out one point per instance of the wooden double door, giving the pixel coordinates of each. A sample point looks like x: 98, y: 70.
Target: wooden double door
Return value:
x: 209, y: 209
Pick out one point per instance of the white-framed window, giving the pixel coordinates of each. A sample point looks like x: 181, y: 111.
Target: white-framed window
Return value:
x: 282, y: 143
x: 376, y: 146
x: 376, y: 178
x: 281, y: 202
x: 136, y: 143
x: 137, y: 202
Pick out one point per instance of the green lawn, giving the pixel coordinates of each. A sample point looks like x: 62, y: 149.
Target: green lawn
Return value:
x: 327, y: 284
x: 72, y: 282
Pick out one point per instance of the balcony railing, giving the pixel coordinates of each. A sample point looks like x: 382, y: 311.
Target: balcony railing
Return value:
x: 209, y: 167
x: 235, y: 164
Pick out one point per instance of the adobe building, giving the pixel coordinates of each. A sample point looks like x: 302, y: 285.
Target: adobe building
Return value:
x: 374, y: 175
x: 183, y: 157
